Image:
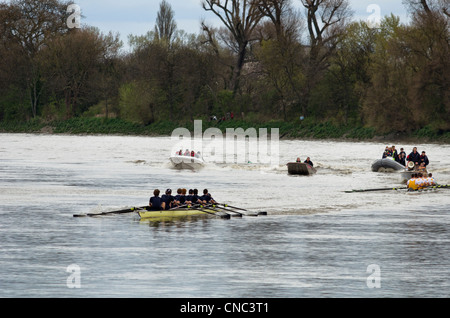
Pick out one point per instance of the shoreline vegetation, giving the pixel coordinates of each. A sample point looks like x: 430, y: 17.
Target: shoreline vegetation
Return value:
x: 267, y: 65
x: 307, y: 129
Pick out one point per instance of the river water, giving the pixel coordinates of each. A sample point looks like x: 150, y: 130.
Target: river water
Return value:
x: 316, y: 240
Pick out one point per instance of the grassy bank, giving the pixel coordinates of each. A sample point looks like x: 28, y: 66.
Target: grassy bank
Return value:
x: 304, y: 129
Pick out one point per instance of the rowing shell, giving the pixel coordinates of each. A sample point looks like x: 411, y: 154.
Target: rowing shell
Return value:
x: 144, y: 214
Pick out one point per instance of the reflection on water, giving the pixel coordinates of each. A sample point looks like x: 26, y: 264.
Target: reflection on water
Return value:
x: 316, y: 240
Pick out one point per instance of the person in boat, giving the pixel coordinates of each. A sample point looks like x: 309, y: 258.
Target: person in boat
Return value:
x: 192, y: 153
x: 431, y: 181
x: 411, y: 184
x: 420, y: 181
x: 195, y: 198
x: 156, y: 203
x: 308, y: 161
x: 186, y: 153
x: 402, y: 158
x: 189, y: 198
x: 424, y: 159
x: 387, y: 152
x: 414, y: 156
x: 168, y: 199
x: 298, y: 159
x: 183, y: 196
x: 394, y: 153
x: 179, y: 198
x: 198, y: 155
x: 422, y: 167
x: 206, y: 198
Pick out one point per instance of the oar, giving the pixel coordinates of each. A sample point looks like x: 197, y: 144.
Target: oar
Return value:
x: 379, y: 189
x: 236, y: 213
x: 200, y: 208
x: 234, y: 207
x: 178, y: 207
x: 442, y: 186
x: 111, y: 212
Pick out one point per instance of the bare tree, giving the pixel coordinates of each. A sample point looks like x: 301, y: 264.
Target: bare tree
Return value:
x: 285, y: 20
x: 240, y: 17
x: 165, y: 24
x: 326, y: 20
x: 428, y: 6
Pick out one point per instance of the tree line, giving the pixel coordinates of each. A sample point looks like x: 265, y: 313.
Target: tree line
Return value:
x: 266, y: 61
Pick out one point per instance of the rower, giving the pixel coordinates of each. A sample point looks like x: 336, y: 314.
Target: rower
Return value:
x: 168, y: 199
x: 420, y: 181
x: 155, y: 202
x: 431, y: 179
x: 206, y: 198
x: 179, y: 198
x: 189, y: 197
x: 412, y: 182
x: 195, y: 197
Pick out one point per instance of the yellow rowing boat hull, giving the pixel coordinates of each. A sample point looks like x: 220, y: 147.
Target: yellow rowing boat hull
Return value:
x: 174, y: 213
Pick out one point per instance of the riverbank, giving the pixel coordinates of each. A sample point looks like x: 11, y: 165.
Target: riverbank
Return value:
x: 287, y: 130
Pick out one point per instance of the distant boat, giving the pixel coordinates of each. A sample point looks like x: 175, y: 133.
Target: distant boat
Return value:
x: 187, y: 162
x: 386, y: 163
x: 300, y: 168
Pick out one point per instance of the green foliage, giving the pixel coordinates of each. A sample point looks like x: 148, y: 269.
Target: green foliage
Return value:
x: 136, y: 103
x: 13, y: 106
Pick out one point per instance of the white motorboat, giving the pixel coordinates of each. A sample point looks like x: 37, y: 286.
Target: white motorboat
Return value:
x: 187, y: 162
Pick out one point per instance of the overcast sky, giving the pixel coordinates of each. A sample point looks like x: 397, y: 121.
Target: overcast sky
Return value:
x: 138, y: 16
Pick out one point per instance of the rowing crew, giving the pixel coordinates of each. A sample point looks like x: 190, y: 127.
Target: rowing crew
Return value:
x: 420, y: 181
x: 167, y: 201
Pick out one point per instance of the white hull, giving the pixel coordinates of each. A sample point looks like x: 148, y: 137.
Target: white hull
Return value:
x: 187, y: 162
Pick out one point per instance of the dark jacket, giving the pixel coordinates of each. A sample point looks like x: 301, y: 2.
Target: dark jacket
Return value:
x: 414, y: 157
x: 424, y: 159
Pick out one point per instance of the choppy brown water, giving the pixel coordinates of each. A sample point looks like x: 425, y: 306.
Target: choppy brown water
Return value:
x: 316, y: 240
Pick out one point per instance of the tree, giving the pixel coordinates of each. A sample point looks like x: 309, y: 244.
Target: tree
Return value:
x: 240, y: 18
x: 74, y: 59
x: 425, y: 44
x: 165, y: 24
x: 285, y: 21
x: 29, y: 25
x: 326, y: 20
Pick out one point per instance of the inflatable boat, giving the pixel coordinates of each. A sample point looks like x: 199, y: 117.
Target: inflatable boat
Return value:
x: 386, y: 164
